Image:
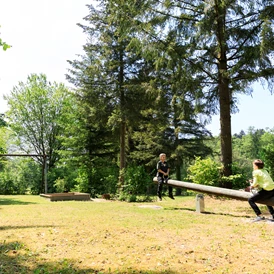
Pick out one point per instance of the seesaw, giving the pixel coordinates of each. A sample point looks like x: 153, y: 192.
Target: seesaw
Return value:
x: 213, y: 190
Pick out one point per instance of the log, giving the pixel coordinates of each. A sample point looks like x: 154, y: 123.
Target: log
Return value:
x: 218, y: 191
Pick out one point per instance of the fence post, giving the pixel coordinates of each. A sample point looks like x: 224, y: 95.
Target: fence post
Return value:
x: 200, y: 205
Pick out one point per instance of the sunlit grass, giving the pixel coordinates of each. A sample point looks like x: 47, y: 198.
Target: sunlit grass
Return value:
x: 39, y: 236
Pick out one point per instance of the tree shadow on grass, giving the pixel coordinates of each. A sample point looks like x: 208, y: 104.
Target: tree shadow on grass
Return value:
x: 20, y: 227
x: 11, y: 201
x: 16, y: 259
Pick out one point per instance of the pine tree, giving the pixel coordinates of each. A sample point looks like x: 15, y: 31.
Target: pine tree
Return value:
x: 227, y: 45
x: 108, y: 77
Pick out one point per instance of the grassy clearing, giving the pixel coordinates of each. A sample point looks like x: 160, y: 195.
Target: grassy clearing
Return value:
x: 38, y: 236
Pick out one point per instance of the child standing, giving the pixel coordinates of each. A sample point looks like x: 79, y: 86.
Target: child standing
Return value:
x: 162, y: 176
x: 263, y: 181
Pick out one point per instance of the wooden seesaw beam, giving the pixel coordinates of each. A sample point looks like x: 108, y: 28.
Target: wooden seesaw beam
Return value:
x: 218, y: 191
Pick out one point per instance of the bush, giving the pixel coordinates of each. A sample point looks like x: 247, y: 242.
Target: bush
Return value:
x: 60, y: 185
x: 97, y: 180
x: 208, y: 172
x: 205, y: 172
x: 238, y: 181
x: 136, y: 181
x: 133, y: 198
x: 20, y: 176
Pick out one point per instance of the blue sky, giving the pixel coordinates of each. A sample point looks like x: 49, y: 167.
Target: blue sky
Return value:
x: 44, y: 35
x: 256, y: 111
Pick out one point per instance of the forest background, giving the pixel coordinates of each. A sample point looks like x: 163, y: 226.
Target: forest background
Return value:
x: 151, y: 76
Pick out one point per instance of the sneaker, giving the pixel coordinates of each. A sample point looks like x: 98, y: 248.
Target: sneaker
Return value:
x: 171, y: 196
x: 258, y: 219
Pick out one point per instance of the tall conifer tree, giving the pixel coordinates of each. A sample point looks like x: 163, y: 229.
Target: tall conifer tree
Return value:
x: 110, y: 74
x: 228, y: 45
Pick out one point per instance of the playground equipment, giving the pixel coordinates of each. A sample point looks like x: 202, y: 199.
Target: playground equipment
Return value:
x: 218, y: 191
x: 74, y: 196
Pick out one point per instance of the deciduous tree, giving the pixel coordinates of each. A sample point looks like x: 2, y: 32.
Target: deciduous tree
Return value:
x: 35, y: 108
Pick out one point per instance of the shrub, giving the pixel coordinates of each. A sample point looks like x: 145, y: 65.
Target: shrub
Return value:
x: 136, y: 180
x: 60, y: 185
x: 238, y: 181
x: 205, y: 172
x: 208, y: 172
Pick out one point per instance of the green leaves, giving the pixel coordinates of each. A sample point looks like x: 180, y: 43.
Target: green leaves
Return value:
x: 205, y: 172
x: 4, y: 45
x: 36, y: 107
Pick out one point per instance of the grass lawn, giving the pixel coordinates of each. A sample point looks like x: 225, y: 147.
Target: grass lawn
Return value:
x: 99, y: 236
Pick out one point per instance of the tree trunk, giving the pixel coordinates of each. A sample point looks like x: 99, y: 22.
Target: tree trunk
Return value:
x: 178, y: 173
x: 122, y: 153
x: 224, y: 97
x: 122, y: 124
x: 43, y: 186
x: 225, y: 123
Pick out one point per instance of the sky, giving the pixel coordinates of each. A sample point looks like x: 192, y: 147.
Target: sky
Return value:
x: 254, y: 111
x: 44, y: 35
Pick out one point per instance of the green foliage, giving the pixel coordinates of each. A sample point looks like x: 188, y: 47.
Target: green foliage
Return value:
x: 140, y: 91
x: 208, y: 172
x: 109, y: 181
x: 153, y: 106
x: 250, y: 143
x: 4, y: 45
x: 3, y: 123
x: 237, y: 181
x: 4, y: 139
x: 137, y: 180
x: 7, y: 186
x: 97, y: 180
x: 81, y: 181
x: 131, y: 198
x: 20, y: 176
x: 105, y: 179
x: 241, y: 173
x: 268, y: 158
x: 29, y: 176
x: 60, y: 185
x: 256, y: 144
x: 224, y: 49
x: 205, y: 172
x: 36, y: 109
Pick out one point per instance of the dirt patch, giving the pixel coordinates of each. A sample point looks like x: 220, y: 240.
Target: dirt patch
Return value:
x: 151, y: 206
x: 101, y: 200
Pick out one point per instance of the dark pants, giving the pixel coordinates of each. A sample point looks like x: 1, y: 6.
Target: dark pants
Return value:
x: 161, y: 181
x: 261, y: 195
